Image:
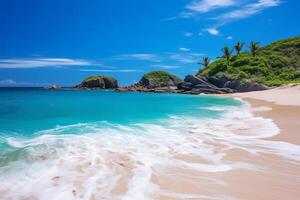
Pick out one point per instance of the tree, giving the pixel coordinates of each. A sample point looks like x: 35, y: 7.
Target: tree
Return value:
x: 205, y: 62
x: 254, y: 46
x: 238, y: 47
x: 227, y: 53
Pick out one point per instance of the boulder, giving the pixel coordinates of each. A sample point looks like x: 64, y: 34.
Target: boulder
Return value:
x: 245, y: 87
x: 200, y: 84
x: 219, y: 82
x: 253, y: 87
x: 185, y: 86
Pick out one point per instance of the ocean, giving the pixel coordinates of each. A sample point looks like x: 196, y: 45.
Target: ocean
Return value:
x: 92, y: 144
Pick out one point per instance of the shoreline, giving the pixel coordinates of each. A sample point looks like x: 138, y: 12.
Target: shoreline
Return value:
x: 281, y: 180
x: 282, y: 105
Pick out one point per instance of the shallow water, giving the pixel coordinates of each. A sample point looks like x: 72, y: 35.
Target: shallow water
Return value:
x: 106, y: 145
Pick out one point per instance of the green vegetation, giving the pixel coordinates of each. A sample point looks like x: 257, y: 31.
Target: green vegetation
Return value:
x: 273, y: 65
x: 90, y: 78
x: 160, y: 76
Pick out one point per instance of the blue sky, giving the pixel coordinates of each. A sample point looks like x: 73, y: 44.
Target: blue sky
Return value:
x: 61, y: 42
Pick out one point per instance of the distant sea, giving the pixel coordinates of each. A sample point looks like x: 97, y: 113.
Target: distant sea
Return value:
x: 54, y: 141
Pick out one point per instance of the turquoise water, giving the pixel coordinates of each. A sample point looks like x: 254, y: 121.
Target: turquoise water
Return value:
x: 25, y: 111
x: 53, y: 143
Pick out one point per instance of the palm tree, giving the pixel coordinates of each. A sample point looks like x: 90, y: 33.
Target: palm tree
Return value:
x: 205, y: 62
x: 227, y: 53
x: 238, y: 47
x: 254, y: 46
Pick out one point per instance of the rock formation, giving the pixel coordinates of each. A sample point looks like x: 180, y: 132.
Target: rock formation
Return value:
x: 98, y: 82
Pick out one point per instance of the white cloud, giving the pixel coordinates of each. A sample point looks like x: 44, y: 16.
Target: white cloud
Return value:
x: 212, y: 31
x: 167, y: 66
x: 208, y: 5
x: 188, y: 34
x: 141, y: 56
x: 41, y: 62
x: 229, y: 38
x: 184, y: 49
x: 247, y: 10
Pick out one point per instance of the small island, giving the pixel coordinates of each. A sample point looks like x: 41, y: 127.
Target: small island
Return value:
x: 98, y: 82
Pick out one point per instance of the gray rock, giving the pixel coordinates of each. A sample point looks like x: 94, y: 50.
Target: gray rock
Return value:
x: 185, y: 86
x: 234, y: 84
x: 200, y: 84
x: 219, y: 82
x: 252, y: 87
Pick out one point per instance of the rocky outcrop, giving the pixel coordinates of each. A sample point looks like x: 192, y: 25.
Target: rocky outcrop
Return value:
x: 156, y: 81
x: 53, y: 87
x: 196, y: 85
x: 98, y: 82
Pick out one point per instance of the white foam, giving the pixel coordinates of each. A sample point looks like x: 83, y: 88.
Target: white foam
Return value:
x: 60, y: 165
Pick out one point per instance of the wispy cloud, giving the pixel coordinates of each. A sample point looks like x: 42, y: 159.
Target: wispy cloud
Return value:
x: 111, y: 71
x: 13, y: 83
x: 42, y: 62
x: 162, y: 66
x: 183, y: 58
x: 229, y: 38
x: 208, y: 5
x: 247, y: 10
x: 141, y: 56
x: 184, y: 49
x: 228, y: 11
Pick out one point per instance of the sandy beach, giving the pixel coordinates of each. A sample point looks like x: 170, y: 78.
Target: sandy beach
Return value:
x: 281, y: 105
x: 282, y: 180
x: 276, y: 178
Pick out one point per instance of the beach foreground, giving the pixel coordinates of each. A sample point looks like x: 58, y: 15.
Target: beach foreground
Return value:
x: 204, y: 147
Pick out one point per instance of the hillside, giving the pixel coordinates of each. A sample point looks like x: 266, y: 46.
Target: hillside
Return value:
x: 273, y: 65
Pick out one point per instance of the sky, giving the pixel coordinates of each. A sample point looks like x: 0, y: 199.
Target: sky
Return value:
x: 63, y: 41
